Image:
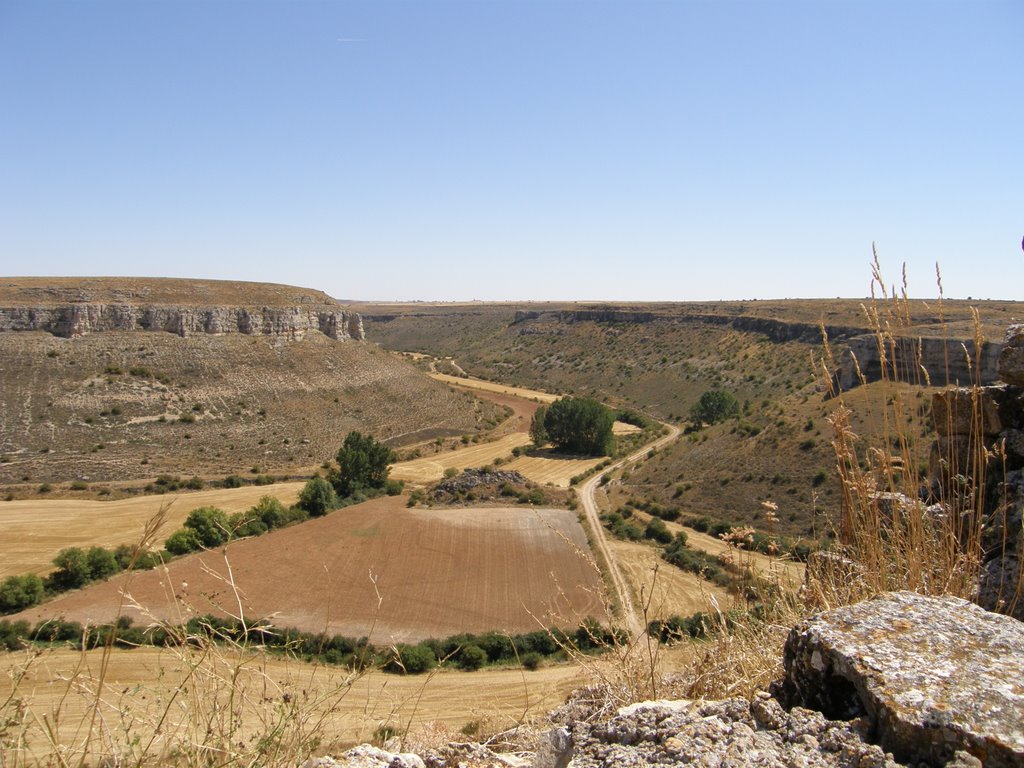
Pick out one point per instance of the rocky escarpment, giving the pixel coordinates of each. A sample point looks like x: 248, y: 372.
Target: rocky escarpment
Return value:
x: 939, y: 360
x: 80, y: 319
x: 979, y: 450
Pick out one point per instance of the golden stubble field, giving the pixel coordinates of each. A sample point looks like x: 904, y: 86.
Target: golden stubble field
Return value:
x: 378, y: 570
x: 35, y: 530
x: 169, y: 696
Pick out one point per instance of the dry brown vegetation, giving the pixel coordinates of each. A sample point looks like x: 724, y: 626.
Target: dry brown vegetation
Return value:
x: 115, y: 406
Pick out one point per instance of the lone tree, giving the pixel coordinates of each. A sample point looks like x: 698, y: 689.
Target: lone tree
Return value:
x: 362, y: 463
x: 714, y: 406
x: 580, y: 425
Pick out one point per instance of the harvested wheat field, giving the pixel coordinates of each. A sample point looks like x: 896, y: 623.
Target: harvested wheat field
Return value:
x: 551, y: 469
x: 319, y: 701
x: 491, y: 386
x: 378, y: 570
x: 35, y: 530
x: 669, y: 592
x: 431, y: 468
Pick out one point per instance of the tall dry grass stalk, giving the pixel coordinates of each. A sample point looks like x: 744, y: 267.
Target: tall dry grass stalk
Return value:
x: 910, y: 516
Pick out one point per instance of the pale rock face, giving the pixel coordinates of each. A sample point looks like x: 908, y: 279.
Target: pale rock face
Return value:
x: 1011, y: 358
x: 290, y: 323
x: 933, y: 676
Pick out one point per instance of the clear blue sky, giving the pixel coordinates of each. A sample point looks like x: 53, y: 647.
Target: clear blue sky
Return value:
x: 517, y: 150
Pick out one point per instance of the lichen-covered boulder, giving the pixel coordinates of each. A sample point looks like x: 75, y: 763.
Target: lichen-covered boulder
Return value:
x: 933, y: 675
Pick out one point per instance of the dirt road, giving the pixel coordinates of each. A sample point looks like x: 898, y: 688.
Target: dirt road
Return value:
x: 600, y: 541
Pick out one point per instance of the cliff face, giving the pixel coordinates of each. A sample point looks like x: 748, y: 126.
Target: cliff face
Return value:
x: 943, y: 360
x: 80, y: 319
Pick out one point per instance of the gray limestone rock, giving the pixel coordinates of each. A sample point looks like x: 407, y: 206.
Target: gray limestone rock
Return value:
x: 733, y: 733
x: 366, y: 756
x: 1010, y: 365
x: 932, y: 675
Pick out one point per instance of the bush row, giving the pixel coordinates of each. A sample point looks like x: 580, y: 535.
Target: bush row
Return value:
x: 464, y: 651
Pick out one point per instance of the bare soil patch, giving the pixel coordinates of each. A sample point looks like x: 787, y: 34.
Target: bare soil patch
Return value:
x: 377, y: 570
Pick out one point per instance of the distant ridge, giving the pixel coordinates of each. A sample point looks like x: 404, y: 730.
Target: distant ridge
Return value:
x: 48, y: 291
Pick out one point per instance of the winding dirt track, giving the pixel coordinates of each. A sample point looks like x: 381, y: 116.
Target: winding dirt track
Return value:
x: 600, y: 541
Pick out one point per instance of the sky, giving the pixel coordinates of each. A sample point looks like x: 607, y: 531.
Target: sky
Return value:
x: 520, y: 150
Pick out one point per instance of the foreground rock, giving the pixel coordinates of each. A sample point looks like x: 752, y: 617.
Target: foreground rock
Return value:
x: 734, y: 733
x: 931, y: 675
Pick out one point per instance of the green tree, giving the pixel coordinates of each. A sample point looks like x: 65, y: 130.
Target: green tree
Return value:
x: 20, y: 592
x: 271, y: 511
x: 72, y: 569
x: 317, y: 497
x: 472, y: 657
x: 714, y: 406
x: 362, y: 463
x: 580, y: 425
x: 183, y: 541
x: 538, y: 433
x: 102, y: 563
x: 210, y: 525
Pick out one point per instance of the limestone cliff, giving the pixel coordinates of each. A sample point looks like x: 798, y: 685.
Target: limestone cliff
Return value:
x: 71, y: 307
x: 80, y: 319
x: 942, y: 360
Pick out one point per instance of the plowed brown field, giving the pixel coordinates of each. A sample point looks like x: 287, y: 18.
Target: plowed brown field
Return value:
x: 378, y: 570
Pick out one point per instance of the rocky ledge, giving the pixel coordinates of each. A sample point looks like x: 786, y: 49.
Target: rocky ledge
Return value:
x: 79, y: 319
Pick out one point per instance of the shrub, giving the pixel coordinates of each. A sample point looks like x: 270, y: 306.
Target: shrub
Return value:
x: 657, y: 530
x: 183, y: 541
x: 210, y: 525
x: 714, y: 406
x: 102, y: 563
x: 410, y: 659
x: 472, y: 657
x: 20, y: 592
x: 317, y: 497
x: 72, y: 569
x: 531, y: 660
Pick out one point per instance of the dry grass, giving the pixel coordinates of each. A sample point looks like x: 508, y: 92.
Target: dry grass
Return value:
x: 273, y: 695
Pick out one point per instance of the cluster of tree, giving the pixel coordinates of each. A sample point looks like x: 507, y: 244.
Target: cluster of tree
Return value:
x: 621, y: 525
x: 75, y: 567
x: 697, y: 626
x: 208, y: 527
x: 714, y: 406
x: 464, y: 651
x: 574, y: 425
